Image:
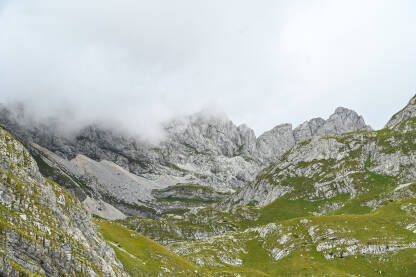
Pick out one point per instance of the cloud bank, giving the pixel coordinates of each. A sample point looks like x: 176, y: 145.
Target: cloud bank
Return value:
x: 261, y: 62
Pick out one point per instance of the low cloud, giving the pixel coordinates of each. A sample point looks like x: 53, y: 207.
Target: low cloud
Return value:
x: 262, y: 62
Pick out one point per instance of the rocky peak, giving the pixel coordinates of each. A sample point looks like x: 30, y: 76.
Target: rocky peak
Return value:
x: 343, y: 120
x: 276, y: 142
x: 247, y: 140
x: 210, y: 133
x: 409, y: 111
x: 308, y: 129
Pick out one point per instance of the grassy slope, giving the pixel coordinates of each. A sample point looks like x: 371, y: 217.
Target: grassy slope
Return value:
x: 385, y: 226
x: 142, y: 256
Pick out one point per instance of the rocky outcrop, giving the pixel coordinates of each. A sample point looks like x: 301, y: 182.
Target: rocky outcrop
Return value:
x: 189, y: 192
x: 407, y: 113
x: 197, y: 224
x: 44, y: 229
x: 274, y: 143
x: 342, y: 121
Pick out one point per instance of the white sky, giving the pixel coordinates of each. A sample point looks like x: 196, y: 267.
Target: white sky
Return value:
x: 262, y: 62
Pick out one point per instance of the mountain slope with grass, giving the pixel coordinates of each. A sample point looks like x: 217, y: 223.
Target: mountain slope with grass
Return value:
x: 381, y: 242
x: 45, y: 231
x: 337, y: 205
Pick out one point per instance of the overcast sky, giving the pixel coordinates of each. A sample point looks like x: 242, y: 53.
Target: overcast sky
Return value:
x: 262, y: 62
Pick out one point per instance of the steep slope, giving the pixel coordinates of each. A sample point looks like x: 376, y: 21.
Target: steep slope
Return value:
x: 44, y: 229
x: 142, y: 256
x: 405, y: 118
x: 353, y: 164
x: 106, y: 166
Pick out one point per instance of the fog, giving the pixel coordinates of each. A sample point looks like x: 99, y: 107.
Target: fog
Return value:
x: 264, y: 62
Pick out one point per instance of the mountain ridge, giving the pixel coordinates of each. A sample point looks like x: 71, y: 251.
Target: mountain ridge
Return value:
x: 207, y: 150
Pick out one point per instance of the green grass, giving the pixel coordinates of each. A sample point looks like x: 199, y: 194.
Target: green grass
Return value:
x: 305, y: 263
x: 141, y: 256
x: 284, y: 208
x: 384, y: 226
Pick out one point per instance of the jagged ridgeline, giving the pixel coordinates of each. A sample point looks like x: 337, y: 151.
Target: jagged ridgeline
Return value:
x: 200, y: 162
x: 328, y: 198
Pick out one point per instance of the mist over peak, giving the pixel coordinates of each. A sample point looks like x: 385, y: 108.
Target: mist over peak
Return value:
x: 141, y: 64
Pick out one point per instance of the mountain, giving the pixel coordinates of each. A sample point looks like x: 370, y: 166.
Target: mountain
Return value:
x: 201, y: 160
x: 336, y: 202
x: 335, y: 205
x: 44, y: 229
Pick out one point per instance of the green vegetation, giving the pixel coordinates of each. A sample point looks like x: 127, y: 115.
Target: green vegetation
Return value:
x: 284, y: 208
x: 33, y: 212
x: 208, y: 221
x: 407, y: 125
x: 141, y: 256
x: 189, y: 194
x: 319, y: 245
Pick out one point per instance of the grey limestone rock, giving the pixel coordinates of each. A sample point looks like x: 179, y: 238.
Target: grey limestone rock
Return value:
x: 274, y: 143
x: 409, y: 111
x: 342, y: 121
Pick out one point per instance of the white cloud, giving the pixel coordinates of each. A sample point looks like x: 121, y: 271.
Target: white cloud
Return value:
x: 262, y: 62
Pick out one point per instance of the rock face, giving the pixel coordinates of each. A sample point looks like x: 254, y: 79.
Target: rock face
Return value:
x: 406, y: 114
x: 44, y: 229
x: 342, y: 121
x: 328, y: 166
x: 121, y: 170
x: 274, y: 143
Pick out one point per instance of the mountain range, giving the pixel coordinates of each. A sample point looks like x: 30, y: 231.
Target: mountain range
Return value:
x: 328, y: 198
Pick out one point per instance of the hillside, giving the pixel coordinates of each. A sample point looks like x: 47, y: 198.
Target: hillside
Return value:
x: 45, y: 231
